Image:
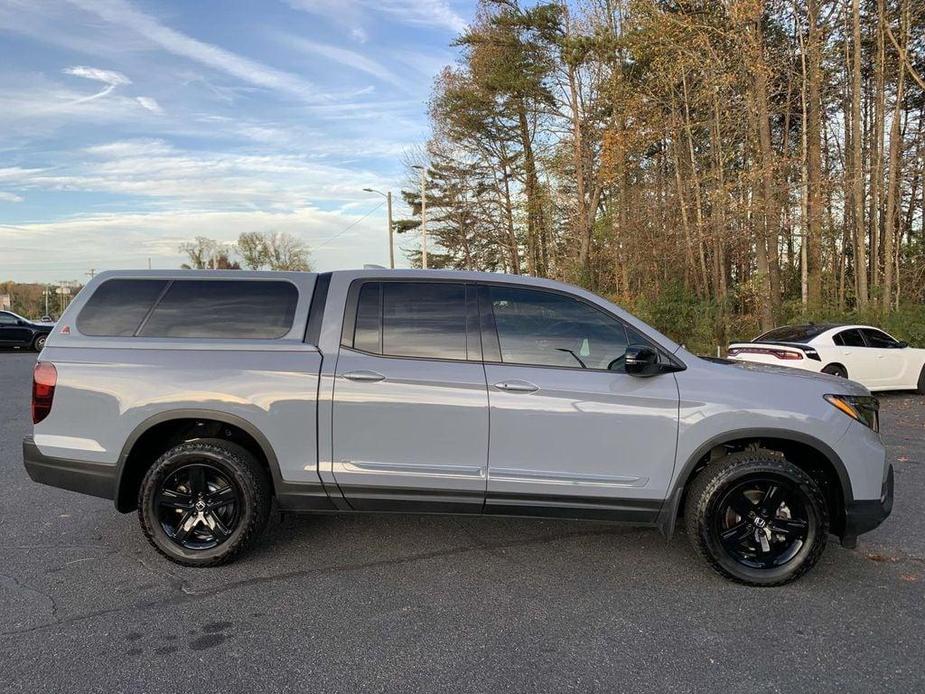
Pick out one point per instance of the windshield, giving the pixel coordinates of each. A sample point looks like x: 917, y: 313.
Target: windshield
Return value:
x: 792, y: 333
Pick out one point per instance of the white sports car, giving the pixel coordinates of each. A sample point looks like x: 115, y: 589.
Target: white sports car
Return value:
x: 859, y: 352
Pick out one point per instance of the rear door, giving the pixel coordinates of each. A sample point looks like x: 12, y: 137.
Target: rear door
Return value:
x: 852, y: 351
x: 571, y: 432
x: 410, y: 412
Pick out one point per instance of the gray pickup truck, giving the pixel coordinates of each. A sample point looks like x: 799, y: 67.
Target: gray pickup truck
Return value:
x: 199, y: 398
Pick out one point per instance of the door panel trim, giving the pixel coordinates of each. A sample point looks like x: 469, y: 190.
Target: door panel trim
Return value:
x: 497, y: 474
x: 413, y: 469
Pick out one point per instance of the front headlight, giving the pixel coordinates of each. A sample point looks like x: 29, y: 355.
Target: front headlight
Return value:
x: 863, y: 408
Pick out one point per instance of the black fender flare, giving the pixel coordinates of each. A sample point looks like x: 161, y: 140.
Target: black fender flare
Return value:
x: 194, y: 413
x: 668, y: 514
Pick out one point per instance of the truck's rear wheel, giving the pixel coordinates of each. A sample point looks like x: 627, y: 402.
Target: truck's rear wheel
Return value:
x: 757, y: 518
x: 203, y: 501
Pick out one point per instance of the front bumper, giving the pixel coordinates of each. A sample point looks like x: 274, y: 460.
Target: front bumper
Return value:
x: 77, y: 475
x: 864, y: 516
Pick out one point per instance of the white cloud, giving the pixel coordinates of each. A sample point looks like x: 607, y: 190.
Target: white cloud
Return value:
x: 159, y: 174
x: 123, y: 14
x: 350, y: 59
x: 110, y: 77
x: 149, y: 104
x: 10, y: 197
x: 430, y: 13
x: 114, y: 241
x: 359, y: 35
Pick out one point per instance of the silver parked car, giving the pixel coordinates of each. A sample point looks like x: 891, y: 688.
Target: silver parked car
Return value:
x: 197, y: 398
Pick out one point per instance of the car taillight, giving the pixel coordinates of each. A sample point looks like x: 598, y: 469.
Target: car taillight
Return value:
x: 786, y: 355
x: 44, y: 379
x: 777, y: 353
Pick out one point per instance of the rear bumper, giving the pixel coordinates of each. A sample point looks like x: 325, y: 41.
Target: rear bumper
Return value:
x: 77, y: 475
x: 864, y: 516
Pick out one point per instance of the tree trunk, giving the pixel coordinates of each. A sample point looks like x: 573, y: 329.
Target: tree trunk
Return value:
x: 896, y: 137
x: 814, y: 157
x: 857, y: 163
x: 769, y: 223
x: 876, y: 154
x: 531, y: 188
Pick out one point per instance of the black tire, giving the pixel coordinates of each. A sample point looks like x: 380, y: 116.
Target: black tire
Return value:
x: 921, y: 389
x: 729, y: 541
x: 203, y: 501
x: 835, y: 370
x: 39, y: 342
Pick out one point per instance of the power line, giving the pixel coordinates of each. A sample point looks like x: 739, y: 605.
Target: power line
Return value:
x: 349, y: 227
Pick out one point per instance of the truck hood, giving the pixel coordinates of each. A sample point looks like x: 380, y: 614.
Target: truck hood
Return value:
x: 828, y: 383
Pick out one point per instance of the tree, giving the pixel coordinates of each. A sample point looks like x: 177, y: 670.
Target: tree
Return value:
x: 273, y: 251
x: 252, y: 248
x: 722, y: 166
x: 208, y: 254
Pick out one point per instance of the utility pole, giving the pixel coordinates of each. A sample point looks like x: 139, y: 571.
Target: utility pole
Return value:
x: 388, y: 198
x: 91, y: 273
x: 423, y: 214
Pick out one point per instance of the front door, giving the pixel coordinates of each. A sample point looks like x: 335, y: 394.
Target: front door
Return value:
x: 571, y: 432
x: 852, y: 351
x: 887, y: 359
x: 410, y: 400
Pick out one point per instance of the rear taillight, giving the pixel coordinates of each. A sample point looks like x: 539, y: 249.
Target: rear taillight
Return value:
x: 44, y: 380
x: 777, y: 353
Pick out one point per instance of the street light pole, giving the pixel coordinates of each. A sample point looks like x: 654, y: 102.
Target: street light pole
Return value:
x: 423, y: 214
x: 388, y: 199
x: 423, y: 219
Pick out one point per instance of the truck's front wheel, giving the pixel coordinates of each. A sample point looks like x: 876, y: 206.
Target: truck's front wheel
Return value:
x: 757, y: 518
x: 203, y: 501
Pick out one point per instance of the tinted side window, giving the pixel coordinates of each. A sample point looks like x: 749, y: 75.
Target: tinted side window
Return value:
x: 548, y: 329
x: 423, y: 319
x: 849, y: 338
x: 879, y: 339
x: 366, y: 331
x: 117, y: 307
x: 7, y: 319
x: 224, y: 309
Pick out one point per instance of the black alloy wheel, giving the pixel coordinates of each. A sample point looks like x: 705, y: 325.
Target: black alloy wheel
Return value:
x: 203, y: 501
x: 762, y: 522
x: 198, y: 506
x: 757, y: 518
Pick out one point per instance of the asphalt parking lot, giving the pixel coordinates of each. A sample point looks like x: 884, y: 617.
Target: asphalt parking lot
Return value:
x: 428, y: 604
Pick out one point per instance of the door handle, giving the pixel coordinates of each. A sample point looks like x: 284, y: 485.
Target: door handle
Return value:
x: 364, y: 376
x: 517, y: 386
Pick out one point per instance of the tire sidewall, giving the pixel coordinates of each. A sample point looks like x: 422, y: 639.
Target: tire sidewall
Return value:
x: 39, y: 343
x: 162, y: 469
x: 817, y: 520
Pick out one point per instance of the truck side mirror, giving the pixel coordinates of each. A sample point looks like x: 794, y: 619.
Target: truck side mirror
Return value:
x: 641, y: 360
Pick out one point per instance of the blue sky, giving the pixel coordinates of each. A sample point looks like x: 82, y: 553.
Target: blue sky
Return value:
x: 130, y: 126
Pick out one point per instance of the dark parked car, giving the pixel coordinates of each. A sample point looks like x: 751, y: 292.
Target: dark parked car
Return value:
x: 16, y: 331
